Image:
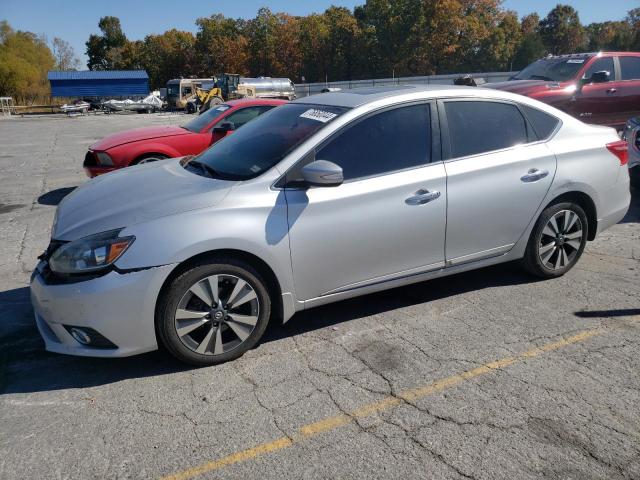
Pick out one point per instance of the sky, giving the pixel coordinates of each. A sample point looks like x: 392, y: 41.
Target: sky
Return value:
x: 75, y: 20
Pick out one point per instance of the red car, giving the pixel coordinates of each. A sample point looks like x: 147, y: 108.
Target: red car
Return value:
x: 601, y: 88
x: 155, y: 143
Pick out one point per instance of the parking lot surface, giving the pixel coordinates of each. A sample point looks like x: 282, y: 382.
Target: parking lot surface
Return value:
x: 485, y: 375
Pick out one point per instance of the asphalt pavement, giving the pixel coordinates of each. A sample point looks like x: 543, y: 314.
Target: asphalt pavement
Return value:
x: 490, y: 374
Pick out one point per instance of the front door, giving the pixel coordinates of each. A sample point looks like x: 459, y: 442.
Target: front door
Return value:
x: 386, y: 221
x: 497, y: 176
x: 596, y: 102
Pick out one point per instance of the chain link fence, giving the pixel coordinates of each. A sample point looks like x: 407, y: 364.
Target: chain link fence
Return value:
x: 306, y: 89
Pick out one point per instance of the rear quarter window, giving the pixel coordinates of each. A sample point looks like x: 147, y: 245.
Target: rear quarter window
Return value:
x: 543, y: 123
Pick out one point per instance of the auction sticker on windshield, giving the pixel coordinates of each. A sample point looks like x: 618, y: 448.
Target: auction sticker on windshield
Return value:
x: 318, y: 115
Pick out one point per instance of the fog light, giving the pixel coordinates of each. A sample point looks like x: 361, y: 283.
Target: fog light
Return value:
x: 80, y: 336
x: 89, y: 337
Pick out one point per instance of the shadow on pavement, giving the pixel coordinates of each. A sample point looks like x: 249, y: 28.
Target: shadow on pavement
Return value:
x: 633, y: 215
x: 628, y: 312
x: 54, y: 197
x: 424, y: 292
x: 26, y: 367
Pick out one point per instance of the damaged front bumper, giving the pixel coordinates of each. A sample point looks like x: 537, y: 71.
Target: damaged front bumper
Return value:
x: 119, y: 306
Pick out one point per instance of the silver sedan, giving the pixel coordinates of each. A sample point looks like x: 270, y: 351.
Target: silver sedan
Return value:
x: 326, y: 198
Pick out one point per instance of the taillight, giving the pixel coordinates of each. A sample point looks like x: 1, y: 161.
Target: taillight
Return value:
x: 621, y: 150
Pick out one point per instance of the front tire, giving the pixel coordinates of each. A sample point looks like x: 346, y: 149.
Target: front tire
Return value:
x: 213, y: 312
x: 557, y: 240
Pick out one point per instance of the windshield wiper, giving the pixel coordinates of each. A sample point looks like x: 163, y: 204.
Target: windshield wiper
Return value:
x: 210, y: 171
x: 540, y: 77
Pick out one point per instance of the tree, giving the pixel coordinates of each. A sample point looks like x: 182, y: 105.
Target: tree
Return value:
x: 610, y: 36
x: 167, y: 56
x: 221, y: 46
x: 64, y: 55
x: 105, y: 51
x: 562, y: 32
x: 633, y: 19
x: 25, y: 60
x: 531, y: 46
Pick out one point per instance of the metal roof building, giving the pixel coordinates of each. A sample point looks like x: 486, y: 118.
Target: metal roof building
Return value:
x: 105, y: 83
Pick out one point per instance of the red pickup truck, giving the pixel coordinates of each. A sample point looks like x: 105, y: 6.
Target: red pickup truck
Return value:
x: 601, y: 88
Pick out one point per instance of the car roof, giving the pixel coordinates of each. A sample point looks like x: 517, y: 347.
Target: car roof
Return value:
x: 255, y: 101
x: 361, y: 96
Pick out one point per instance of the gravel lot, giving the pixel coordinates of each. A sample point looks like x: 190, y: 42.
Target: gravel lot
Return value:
x: 484, y: 375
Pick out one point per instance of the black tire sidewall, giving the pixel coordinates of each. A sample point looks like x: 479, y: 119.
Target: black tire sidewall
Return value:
x: 182, y: 282
x: 532, y: 260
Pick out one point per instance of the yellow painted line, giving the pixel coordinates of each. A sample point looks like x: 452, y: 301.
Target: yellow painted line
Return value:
x: 331, y: 423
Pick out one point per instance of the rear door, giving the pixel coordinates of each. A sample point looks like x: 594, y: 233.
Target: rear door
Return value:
x: 498, y: 173
x: 628, y: 89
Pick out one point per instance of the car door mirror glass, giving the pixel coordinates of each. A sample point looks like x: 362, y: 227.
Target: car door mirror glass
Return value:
x: 600, y: 77
x: 322, y: 173
x: 224, y: 127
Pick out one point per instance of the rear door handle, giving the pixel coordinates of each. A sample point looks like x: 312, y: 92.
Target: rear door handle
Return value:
x: 534, y: 175
x: 423, y: 196
x: 612, y: 90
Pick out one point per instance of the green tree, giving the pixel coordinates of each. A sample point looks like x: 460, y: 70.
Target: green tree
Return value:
x: 562, y: 31
x: 105, y: 51
x: 531, y: 46
x: 262, y: 44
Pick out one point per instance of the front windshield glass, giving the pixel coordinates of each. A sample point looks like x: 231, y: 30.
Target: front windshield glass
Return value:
x: 173, y: 89
x: 263, y: 142
x: 201, y: 121
x: 552, y: 69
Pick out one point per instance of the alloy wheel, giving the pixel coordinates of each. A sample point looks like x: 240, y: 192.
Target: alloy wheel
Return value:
x: 217, y: 314
x: 561, y: 240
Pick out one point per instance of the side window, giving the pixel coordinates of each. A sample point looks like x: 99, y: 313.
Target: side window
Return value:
x: 479, y: 127
x: 186, y: 91
x: 601, y: 64
x: 385, y: 142
x: 630, y: 67
x: 543, y: 123
x: 244, y: 115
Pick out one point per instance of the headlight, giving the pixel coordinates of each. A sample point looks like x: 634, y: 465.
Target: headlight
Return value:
x: 90, y: 254
x: 104, y: 159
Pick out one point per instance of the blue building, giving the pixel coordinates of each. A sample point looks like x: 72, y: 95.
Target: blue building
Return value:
x: 105, y: 83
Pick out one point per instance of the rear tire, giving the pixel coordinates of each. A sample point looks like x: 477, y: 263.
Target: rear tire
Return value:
x: 557, y: 240
x: 213, y: 312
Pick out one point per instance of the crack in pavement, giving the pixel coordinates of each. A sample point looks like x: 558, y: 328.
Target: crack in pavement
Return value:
x: 395, y: 399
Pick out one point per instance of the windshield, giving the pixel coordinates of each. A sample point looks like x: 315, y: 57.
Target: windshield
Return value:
x: 552, y: 69
x: 173, y: 89
x: 263, y: 142
x: 201, y: 121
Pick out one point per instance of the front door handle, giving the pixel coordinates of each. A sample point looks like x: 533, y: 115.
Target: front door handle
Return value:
x: 534, y: 175
x: 423, y: 196
x: 612, y: 90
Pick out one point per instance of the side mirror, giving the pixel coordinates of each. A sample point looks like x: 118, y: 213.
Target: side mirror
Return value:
x: 224, y: 127
x: 600, y: 77
x: 322, y: 173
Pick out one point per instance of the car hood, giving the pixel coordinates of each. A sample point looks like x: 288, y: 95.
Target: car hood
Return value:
x: 134, y: 195
x: 136, y: 135
x: 525, y: 87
